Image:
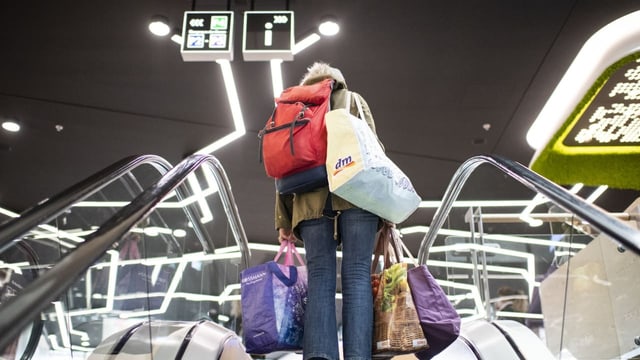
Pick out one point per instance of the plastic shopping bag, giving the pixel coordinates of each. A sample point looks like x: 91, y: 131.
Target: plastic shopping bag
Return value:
x: 273, y: 300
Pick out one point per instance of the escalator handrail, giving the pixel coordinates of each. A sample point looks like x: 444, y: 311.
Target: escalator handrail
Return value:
x: 54, y: 206
x: 18, y: 312
x: 612, y: 227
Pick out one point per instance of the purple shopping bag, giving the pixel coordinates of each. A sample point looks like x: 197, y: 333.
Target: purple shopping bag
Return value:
x: 439, y: 319
x: 273, y: 299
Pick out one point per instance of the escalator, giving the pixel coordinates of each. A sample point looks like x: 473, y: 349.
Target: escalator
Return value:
x: 151, y: 269
x: 136, y: 251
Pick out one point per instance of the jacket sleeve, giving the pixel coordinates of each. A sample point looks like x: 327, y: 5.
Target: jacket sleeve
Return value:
x: 283, y: 211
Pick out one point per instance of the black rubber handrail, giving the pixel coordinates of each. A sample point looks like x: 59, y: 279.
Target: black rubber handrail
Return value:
x: 47, y: 210
x: 608, y: 225
x: 19, y: 311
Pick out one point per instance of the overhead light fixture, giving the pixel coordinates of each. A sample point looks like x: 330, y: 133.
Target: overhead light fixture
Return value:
x: 276, y: 77
x: 329, y: 27
x: 177, y: 39
x: 236, y: 111
x: 11, y: 125
x: 176, y: 36
x: 305, y: 43
x: 159, y: 25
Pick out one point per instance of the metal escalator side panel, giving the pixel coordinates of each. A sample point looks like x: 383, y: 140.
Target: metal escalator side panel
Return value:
x: 113, y: 344
x: 461, y: 349
x: 489, y: 342
x: 523, y: 340
x: 187, y: 340
x: 214, y: 341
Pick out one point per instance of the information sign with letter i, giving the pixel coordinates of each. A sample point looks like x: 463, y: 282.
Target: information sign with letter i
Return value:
x: 268, y: 35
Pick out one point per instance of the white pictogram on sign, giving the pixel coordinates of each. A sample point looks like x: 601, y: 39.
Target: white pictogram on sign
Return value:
x: 268, y: 34
x: 196, y: 22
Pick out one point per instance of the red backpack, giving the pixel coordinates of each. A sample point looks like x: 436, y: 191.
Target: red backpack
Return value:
x: 293, y: 143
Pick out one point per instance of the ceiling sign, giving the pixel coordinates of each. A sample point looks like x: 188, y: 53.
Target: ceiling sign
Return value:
x: 612, y: 118
x: 207, y: 36
x: 599, y: 144
x: 268, y: 35
x: 588, y: 131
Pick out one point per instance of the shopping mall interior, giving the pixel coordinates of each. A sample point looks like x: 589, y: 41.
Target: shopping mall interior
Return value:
x: 134, y: 194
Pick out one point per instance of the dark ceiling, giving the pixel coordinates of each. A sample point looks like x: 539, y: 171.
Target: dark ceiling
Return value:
x: 433, y: 72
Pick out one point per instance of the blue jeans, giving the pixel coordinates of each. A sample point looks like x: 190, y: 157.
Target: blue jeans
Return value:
x: 357, y: 229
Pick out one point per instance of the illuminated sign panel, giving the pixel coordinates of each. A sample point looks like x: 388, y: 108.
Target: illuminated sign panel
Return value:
x: 268, y: 35
x: 599, y: 143
x: 207, y: 36
x: 589, y: 129
x: 613, y: 116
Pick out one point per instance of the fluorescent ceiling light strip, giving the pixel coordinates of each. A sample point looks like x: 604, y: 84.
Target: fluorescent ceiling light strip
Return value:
x: 8, y: 213
x: 45, y: 227
x: 202, y: 297
x: 276, y: 77
x: 576, y: 188
x: 491, y: 268
x: 161, y: 260
x: 608, y: 45
x: 477, y: 203
x: 530, y: 273
x: 61, y: 233
x: 202, y: 201
x: 474, y: 293
x: 497, y: 237
x: 15, y: 267
x: 305, y: 43
x: 99, y: 204
x: 514, y: 314
x: 42, y: 235
x: 468, y: 246
x: 53, y: 340
x: 62, y: 324
x: 539, y: 199
x: 163, y: 205
x: 596, y: 193
x: 236, y: 110
x: 177, y: 277
x: 211, y: 182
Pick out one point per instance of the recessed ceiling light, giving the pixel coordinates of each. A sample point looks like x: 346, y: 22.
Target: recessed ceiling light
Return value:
x: 329, y: 28
x: 11, y: 125
x: 159, y: 25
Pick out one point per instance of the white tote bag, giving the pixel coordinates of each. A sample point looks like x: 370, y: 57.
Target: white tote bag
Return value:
x: 359, y: 171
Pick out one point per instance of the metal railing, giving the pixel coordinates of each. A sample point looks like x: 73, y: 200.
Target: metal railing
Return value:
x: 54, y: 206
x: 614, y: 228
x: 19, y: 311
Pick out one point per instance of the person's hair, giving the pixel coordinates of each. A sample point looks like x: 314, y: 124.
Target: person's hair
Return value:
x: 320, y: 71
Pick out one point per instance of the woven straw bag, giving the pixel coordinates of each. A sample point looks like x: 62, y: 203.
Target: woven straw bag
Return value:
x: 397, y: 326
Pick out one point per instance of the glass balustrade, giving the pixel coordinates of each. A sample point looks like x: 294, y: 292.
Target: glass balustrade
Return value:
x: 181, y: 262
x: 526, y: 260
x: 45, y: 244
x: 530, y: 261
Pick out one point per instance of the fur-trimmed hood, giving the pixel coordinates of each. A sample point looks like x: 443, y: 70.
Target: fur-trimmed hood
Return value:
x: 320, y: 71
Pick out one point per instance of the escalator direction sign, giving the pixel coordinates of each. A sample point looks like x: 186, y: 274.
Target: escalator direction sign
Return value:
x: 207, y: 36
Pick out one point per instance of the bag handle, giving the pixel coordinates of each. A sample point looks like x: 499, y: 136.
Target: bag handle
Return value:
x: 387, y: 239
x: 347, y: 105
x: 289, y: 250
